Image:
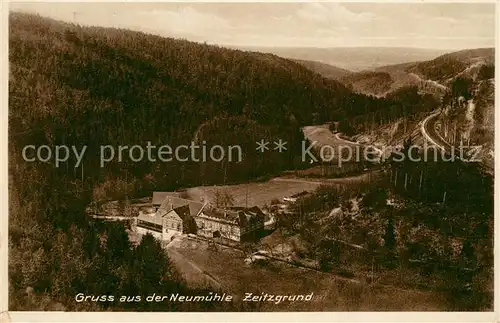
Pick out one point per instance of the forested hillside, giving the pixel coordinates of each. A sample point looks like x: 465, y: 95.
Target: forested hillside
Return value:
x: 431, y: 76
x: 427, y: 223
x: 98, y: 86
x: 373, y: 82
x: 405, y: 103
x: 95, y: 86
x: 449, y: 66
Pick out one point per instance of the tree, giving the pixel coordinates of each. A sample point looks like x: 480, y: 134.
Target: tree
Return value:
x: 118, y: 244
x: 375, y: 199
x: 390, y: 237
x: 461, y: 86
x: 468, y: 253
x: 486, y: 72
x: 150, y: 268
x: 346, y: 205
x: 223, y: 199
x: 328, y: 254
x: 346, y: 128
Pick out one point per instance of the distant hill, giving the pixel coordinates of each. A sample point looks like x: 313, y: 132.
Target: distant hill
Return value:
x: 431, y: 76
x: 382, y: 80
x: 369, y: 82
x: 326, y: 70
x: 472, y: 55
x: 353, y: 58
x: 449, y: 66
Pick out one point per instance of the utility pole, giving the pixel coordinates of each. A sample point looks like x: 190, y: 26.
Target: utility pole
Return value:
x: 246, y: 197
x: 455, y: 135
x: 373, y: 263
x: 126, y: 183
x: 420, y: 184
x: 225, y: 170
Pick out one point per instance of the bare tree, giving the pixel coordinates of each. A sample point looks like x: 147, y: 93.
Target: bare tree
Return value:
x: 223, y: 199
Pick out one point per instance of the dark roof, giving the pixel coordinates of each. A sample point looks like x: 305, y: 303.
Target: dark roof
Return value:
x: 173, y: 202
x: 227, y: 215
x: 253, y: 209
x: 183, y: 212
x: 183, y: 207
x: 238, y: 215
x: 250, y: 214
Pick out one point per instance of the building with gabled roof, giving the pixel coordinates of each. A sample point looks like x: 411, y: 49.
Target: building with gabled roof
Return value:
x: 159, y: 197
x: 173, y: 202
x: 175, y: 215
x: 235, y: 223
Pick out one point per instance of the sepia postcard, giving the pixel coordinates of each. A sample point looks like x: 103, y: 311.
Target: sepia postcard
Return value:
x: 244, y: 161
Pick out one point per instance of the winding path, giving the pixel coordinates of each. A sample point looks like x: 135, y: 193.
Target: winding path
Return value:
x: 428, y: 129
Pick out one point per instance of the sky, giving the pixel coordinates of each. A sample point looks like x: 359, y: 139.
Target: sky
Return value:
x: 315, y: 24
